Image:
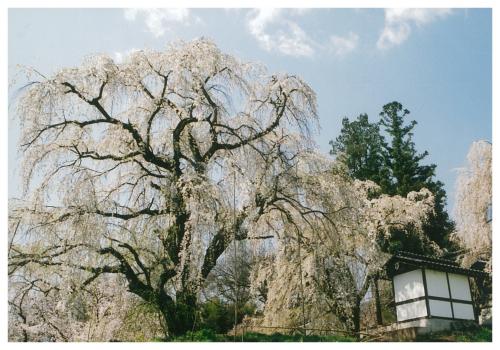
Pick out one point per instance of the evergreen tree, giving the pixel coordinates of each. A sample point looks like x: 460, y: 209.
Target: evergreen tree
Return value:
x: 401, y: 157
x: 361, y: 147
x: 408, y: 174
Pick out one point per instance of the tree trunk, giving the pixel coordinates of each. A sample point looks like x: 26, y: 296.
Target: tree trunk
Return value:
x: 179, y: 315
x: 356, y: 318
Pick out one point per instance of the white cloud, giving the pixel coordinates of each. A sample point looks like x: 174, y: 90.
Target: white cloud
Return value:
x: 276, y: 30
x: 288, y: 37
x: 257, y: 25
x: 343, y: 45
x: 398, y: 23
x: 295, y: 42
x: 158, y: 21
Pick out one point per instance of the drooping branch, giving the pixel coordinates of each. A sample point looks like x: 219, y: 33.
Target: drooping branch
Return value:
x: 216, y: 146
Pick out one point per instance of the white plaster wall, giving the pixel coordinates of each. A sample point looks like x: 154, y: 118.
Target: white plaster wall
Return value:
x: 459, y: 286
x: 411, y: 310
x: 437, y: 285
x: 408, y: 285
x: 440, y: 308
x: 463, y: 311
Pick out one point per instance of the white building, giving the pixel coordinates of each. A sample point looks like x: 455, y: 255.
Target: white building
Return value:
x: 431, y: 293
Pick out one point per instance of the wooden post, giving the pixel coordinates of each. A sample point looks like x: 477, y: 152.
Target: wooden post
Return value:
x: 378, y: 307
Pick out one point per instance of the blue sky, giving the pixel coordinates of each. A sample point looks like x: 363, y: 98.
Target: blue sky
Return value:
x: 437, y: 63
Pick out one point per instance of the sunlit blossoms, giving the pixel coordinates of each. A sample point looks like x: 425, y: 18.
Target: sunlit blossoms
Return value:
x: 139, y: 176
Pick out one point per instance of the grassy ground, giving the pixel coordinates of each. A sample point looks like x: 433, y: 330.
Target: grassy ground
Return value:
x: 206, y: 335
x: 482, y: 334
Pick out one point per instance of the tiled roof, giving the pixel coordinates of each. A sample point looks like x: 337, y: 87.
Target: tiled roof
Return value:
x: 418, y: 260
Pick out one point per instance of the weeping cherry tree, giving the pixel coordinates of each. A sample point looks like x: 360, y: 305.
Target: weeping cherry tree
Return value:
x: 473, y: 205
x: 148, y: 170
x: 321, y: 281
